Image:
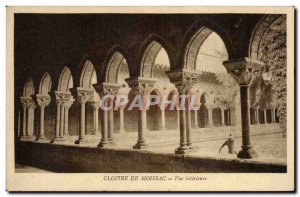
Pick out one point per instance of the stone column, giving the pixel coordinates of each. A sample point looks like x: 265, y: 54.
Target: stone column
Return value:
x: 30, y: 120
x: 184, y: 80
x: 257, y: 116
x: 122, y: 129
x: 111, y: 90
x: 196, y: 118
x: 111, y: 122
x: 43, y: 101
x: 83, y: 96
x: 57, y: 121
x: 24, y: 128
x: 265, y: 117
x: 143, y: 87
x: 163, y: 120
x: 210, y: 116
x: 67, y: 106
x: 244, y: 70
x: 273, y: 115
x: 222, y: 117
x: 95, y: 105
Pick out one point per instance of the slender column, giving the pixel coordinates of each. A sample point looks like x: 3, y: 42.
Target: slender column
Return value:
x: 67, y: 106
x: 196, y: 118
x: 210, y: 119
x: 142, y: 126
x: 23, y: 134
x: 95, y: 105
x: 30, y: 119
x: 122, y: 129
x: 104, y: 126
x: 111, y: 122
x: 163, y: 120
x: 257, y: 116
x: 42, y: 134
x: 62, y: 114
x: 189, y: 125
x: 57, y: 122
x: 182, y: 125
x: 222, y: 118
x: 273, y: 116
x: 265, y: 116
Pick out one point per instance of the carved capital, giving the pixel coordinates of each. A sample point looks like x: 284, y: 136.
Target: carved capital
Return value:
x: 62, y: 96
x: 243, y: 70
x: 43, y: 100
x: 84, y: 94
x: 141, y: 85
x: 68, y: 103
x: 107, y: 89
x: 26, y: 101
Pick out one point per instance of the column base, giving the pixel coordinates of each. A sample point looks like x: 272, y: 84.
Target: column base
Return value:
x: 81, y: 141
x: 141, y: 144
x: 103, y: 144
x: 41, y: 138
x: 182, y: 150
x: 96, y: 133
x: 56, y: 139
x: 26, y: 138
x: 247, y: 152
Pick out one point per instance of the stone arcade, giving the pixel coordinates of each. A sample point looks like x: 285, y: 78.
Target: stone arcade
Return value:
x: 150, y: 55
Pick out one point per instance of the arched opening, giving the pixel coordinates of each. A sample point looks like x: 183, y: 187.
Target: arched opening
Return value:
x: 117, y: 69
x: 65, y: 80
x: 206, y: 52
x: 87, y: 79
x: 28, y: 89
x: 45, y: 84
x: 155, y: 63
x: 216, y: 116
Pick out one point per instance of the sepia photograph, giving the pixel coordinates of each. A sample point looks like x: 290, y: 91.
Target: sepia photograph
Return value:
x: 150, y: 99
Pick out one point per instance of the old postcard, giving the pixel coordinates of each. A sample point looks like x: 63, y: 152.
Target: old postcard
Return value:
x: 150, y: 99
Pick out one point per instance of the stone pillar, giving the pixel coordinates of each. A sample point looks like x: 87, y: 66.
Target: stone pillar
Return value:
x: 265, y: 117
x: 143, y: 87
x: 196, y: 118
x: 111, y: 122
x: 95, y: 105
x: 67, y: 106
x: 24, y: 127
x: 83, y: 96
x: 244, y: 70
x: 57, y: 121
x: 111, y: 90
x: 257, y: 116
x: 222, y: 117
x: 30, y: 120
x: 163, y: 120
x: 184, y: 80
x: 210, y: 116
x: 273, y: 115
x: 43, y: 101
x: 122, y: 129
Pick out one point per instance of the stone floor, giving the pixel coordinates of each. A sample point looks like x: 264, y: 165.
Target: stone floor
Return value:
x: 267, y: 140
x: 28, y: 169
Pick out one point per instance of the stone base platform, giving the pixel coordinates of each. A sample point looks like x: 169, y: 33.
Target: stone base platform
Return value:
x: 71, y: 158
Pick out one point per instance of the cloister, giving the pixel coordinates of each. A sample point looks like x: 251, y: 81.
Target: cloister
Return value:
x: 211, y: 56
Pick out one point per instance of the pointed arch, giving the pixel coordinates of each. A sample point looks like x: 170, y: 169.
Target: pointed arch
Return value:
x: 65, y: 80
x: 117, y: 69
x: 259, y: 32
x: 45, y: 84
x: 88, y: 75
x: 28, y: 89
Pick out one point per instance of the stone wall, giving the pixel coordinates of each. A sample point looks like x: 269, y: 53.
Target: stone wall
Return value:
x: 61, y: 158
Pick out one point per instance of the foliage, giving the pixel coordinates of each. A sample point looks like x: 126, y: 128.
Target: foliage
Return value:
x: 273, y: 52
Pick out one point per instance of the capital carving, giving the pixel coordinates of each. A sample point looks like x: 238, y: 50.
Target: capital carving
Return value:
x: 68, y: 103
x: 43, y: 100
x: 31, y: 105
x: 62, y: 96
x: 107, y: 89
x: 84, y: 95
x: 243, y: 70
x: 141, y: 85
x: 26, y: 101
